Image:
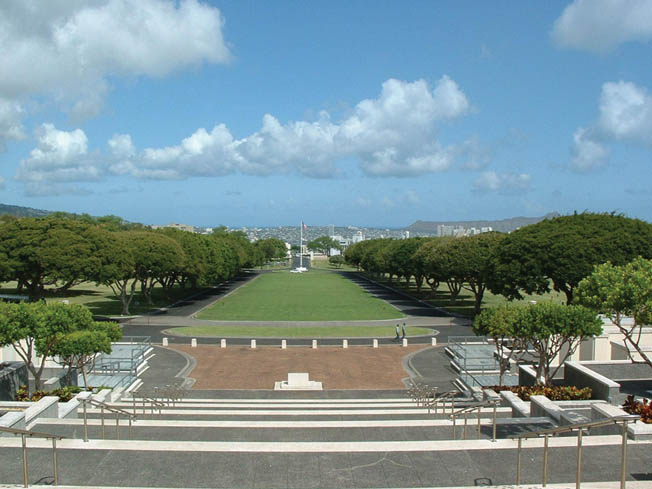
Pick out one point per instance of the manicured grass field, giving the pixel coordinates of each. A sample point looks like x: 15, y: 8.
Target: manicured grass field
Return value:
x: 291, y: 332
x: 101, y: 301
x: 313, y: 296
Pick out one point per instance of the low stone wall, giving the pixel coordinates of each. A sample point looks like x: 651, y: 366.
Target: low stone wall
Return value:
x: 13, y: 419
x: 603, y: 388
x: 520, y: 408
x: 526, y: 375
x: 47, y: 407
x: 12, y: 376
x: 68, y: 409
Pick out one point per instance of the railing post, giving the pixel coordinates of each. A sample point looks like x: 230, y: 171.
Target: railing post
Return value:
x: 518, y: 463
x: 102, y: 416
x: 465, y: 424
x: 131, y: 433
x: 494, y: 428
x: 117, y: 425
x: 545, y: 460
x: 54, y: 461
x: 578, y: 475
x: 454, y: 419
x: 25, y: 478
x: 623, y: 457
x: 85, y: 422
x: 133, y: 398
x: 479, y: 411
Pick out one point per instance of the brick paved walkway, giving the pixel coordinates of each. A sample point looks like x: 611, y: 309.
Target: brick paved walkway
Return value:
x: 336, y: 368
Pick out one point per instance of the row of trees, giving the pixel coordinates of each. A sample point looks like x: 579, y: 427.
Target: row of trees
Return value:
x: 555, y: 253
x: 66, y: 332
x: 55, y: 253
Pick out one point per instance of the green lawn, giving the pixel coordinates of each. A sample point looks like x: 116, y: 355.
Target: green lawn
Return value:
x: 101, y: 301
x: 298, y: 332
x: 322, y: 264
x: 313, y: 296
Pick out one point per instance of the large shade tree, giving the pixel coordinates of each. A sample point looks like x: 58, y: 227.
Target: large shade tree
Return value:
x: 34, y: 329
x: 79, y: 348
x: 564, y: 250
x: 46, y: 252
x: 624, y: 295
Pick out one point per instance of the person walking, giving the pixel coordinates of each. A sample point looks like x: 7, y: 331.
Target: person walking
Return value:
x: 403, y: 337
x: 398, y: 333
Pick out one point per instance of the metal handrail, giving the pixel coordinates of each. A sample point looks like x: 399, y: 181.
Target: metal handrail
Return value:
x: 25, y: 433
x: 153, y: 404
x: 421, y: 393
x: 117, y: 411
x: 441, y: 399
x: 477, y: 406
x: 579, y: 427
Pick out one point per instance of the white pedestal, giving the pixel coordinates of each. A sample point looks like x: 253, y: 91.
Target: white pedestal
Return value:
x: 193, y: 343
x: 222, y: 343
x: 375, y: 343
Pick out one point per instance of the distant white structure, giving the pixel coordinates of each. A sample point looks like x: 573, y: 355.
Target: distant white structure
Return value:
x: 182, y: 227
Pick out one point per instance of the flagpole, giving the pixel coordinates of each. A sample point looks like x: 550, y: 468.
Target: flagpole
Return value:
x: 301, y: 248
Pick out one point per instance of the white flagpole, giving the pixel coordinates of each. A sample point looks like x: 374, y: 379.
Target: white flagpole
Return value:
x: 301, y: 248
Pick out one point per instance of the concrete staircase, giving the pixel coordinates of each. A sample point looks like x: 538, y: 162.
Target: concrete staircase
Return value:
x: 351, y: 439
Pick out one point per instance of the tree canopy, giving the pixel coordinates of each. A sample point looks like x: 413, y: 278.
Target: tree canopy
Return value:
x: 37, y: 327
x: 553, y: 331
x: 564, y: 250
x: 619, y: 292
x: 324, y: 244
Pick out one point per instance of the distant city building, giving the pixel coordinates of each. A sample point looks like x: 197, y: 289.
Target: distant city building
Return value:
x: 182, y: 227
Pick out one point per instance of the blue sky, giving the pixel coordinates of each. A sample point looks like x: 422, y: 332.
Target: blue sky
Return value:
x: 346, y: 112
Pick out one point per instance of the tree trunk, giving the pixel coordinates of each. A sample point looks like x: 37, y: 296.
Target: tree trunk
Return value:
x: 419, y: 280
x: 454, y: 288
x: 83, y: 370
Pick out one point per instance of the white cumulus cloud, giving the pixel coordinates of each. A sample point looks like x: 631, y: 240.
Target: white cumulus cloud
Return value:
x: 600, y: 25
x: 392, y: 135
x: 587, y: 152
x: 67, y: 49
x: 626, y: 112
x: 10, y: 126
x: 60, y: 156
x: 503, y: 183
x: 625, y: 115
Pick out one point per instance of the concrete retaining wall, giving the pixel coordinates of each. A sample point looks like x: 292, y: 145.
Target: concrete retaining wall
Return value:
x: 603, y: 388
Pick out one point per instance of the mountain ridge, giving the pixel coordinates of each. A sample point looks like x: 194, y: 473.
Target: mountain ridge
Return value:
x: 502, y: 225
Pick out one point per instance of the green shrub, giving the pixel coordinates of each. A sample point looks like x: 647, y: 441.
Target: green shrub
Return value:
x: 554, y: 393
x: 64, y: 393
x: 642, y: 408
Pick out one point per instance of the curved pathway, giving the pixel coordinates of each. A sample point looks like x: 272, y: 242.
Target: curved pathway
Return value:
x: 181, y: 314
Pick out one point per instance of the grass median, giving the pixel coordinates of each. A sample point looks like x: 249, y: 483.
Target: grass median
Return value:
x: 312, y: 296
x: 236, y: 331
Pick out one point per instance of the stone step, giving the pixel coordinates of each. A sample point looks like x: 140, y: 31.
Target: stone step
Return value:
x: 567, y: 485
x: 247, y: 430
x: 328, y: 465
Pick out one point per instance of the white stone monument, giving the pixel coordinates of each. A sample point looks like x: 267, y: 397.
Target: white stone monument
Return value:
x: 298, y: 381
